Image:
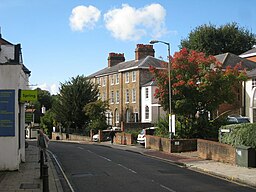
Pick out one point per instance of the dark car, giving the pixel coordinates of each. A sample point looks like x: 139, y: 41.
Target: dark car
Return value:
x: 236, y: 119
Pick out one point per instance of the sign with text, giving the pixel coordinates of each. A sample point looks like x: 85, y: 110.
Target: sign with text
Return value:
x: 7, y: 112
x: 28, y: 95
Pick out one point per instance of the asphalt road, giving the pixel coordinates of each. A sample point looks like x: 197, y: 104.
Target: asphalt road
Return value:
x: 101, y: 169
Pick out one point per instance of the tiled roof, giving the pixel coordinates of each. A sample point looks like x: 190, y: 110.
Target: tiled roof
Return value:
x: 229, y: 59
x: 4, y: 42
x: 127, y: 65
x: 150, y: 83
x: 249, y: 53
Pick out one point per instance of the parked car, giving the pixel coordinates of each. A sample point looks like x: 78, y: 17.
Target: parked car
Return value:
x: 142, y: 135
x: 105, y: 134
x: 236, y: 119
x: 95, y: 138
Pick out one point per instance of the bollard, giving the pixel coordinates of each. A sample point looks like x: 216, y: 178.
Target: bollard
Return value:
x: 45, y: 179
x: 41, y: 163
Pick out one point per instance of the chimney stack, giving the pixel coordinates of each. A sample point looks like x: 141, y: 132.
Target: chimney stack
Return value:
x: 115, y: 58
x: 142, y: 51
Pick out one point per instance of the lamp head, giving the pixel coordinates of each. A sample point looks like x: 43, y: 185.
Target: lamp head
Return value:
x: 154, y: 41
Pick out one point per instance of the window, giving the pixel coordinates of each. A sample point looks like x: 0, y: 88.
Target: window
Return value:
x: 133, y: 95
x: 146, y: 93
x: 117, y: 78
x: 104, y: 81
x: 127, y: 77
x: 112, y: 97
x: 146, y: 112
x: 134, y: 76
x: 98, y: 81
x: 112, y: 79
x: 117, y: 116
x: 127, y: 96
x: 117, y: 96
x: 253, y: 83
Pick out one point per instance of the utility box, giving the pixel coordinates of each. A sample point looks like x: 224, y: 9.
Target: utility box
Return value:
x: 245, y: 156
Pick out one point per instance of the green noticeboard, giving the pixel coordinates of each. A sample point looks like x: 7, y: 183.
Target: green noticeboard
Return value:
x: 28, y: 117
x: 28, y: 95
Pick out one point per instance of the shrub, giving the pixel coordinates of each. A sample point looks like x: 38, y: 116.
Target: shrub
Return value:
x: 240, y: 134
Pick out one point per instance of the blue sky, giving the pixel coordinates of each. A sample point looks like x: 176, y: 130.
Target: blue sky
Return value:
x: 63, y: 39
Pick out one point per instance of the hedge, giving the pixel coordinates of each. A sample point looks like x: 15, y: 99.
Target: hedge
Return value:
x: 240, y: 134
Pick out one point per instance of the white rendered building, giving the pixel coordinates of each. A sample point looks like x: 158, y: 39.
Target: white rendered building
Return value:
x: 13, y: 78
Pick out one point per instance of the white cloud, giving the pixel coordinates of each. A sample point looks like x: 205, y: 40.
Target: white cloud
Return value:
x: 53, y: 88
x: 84, y: 17
x: 129, y: 23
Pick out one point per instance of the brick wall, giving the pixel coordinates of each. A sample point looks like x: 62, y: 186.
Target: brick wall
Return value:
x: 183, y: 145
x: 174, y: 146
x: 216, y: 151
x: 124, y: 139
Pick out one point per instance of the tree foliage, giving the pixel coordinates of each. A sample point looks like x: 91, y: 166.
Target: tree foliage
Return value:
x: 95, y: 111
x: 69, y: 104
x: 214, y: 40
x: 198, y: 84
x: 47, y: 121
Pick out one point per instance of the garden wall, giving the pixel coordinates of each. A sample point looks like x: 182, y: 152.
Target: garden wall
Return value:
x: 216, y: 151
x: 174, y: 146
x: 64, y: 136
x: 124, y: 139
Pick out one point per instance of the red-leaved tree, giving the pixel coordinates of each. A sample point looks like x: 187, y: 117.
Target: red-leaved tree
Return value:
x: 198, y: 82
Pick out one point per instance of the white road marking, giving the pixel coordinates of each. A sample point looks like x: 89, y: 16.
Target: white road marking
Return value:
x: 127, y: 168
x: 64, y: 175
x: 80, y: 148
x: 167, y: 188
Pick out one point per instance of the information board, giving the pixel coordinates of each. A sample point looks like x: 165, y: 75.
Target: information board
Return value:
x: 7, y: 112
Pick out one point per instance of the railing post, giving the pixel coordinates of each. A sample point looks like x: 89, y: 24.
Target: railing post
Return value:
x: 45, y: 179
x: 41, y: 163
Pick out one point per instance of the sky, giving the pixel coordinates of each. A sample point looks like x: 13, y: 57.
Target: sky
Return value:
x: 61, y: 39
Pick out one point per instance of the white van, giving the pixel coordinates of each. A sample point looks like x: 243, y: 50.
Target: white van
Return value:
x: 142, y: 135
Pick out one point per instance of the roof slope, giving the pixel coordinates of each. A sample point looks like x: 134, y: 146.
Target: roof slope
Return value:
x: 249, y: 53
x: 229, y: 59
x: 128, y: 65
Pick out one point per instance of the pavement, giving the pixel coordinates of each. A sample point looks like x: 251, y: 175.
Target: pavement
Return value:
x: 27, y: 178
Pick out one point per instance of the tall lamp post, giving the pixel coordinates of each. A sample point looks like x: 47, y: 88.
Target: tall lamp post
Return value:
x: 169, y: 78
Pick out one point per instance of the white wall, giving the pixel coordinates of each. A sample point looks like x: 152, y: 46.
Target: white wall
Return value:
x: 12, y: 77
x: 155, y: 111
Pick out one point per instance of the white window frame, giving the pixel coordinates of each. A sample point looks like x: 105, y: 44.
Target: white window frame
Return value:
x: 112, y: 97
x: 99, y: 81
x: 117, y: 116
x: 117, y: 78
x: 112, y: 79
x: 133, y: 95
x: 134, y: 76
x: 127, y: 77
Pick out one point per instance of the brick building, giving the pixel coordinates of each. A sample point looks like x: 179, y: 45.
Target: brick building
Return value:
x: 121, y: 81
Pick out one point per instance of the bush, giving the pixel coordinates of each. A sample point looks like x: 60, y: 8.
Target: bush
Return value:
x: 240, y: 134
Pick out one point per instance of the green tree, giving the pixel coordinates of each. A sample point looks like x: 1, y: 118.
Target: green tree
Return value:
x: 69, y: 104
x: 214, y: 40
x: 48, y: 121
x: 199, y: 85
x: 95, y: 111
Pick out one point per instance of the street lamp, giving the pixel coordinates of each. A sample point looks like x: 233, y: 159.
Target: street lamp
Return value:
x: 169, y: 78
